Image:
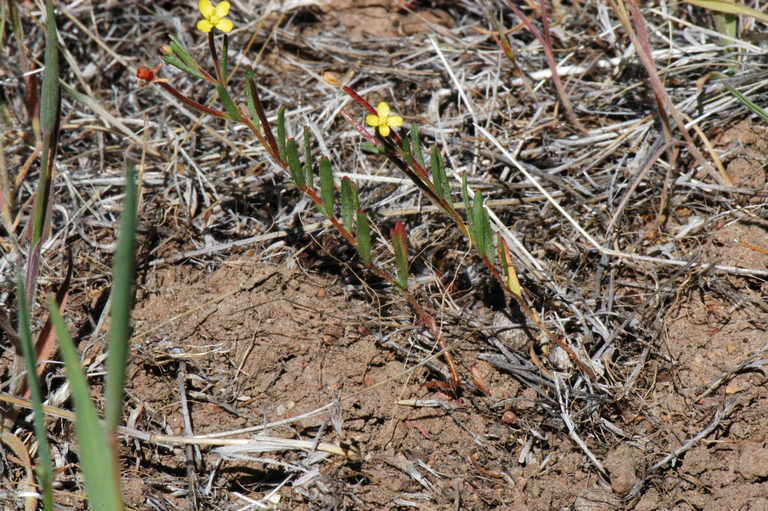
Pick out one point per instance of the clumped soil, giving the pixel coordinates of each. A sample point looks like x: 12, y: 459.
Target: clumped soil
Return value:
x: 254, y: 320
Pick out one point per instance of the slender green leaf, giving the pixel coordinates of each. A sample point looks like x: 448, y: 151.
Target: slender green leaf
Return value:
x: 281, y: 131
x: 326, y: 187
x: 730, y: 8
x: 476, y: 226
x: 173, y: 60
x: 308, y: 159
x: 405, y: 146
x: 292, y: 155
x: 226, y: 101
x: 122, y: 292
x: 371, y: 148
x: 400, y: 244
x: 49, y: 119
x: 349, y: 203
x: 439, y: 177
x: 487, y: 235
x: 748, y: 103
x: 44, y: 463
x: 416, y: 145
x: 363, y: 238
x: 250, y: 99
x: 225, y: 59
x: 178, y: 49
x: 96, y: 459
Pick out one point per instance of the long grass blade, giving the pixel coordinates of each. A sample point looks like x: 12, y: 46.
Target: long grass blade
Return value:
x: 44, y: 464
x: 96, y: 462
x: 121, y: 299
x: 49, y: 123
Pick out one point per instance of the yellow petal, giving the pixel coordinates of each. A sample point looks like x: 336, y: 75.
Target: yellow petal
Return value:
x: 222, y: 9
x: 394, y: 120
x: 384, y: 130
x: 382, y: 109
x: 204, y: 26
x: 206, y: 9
x: 372, y: 120
x: 225, y: 24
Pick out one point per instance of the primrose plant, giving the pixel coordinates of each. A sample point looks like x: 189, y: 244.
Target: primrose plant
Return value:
x: 340, y: 203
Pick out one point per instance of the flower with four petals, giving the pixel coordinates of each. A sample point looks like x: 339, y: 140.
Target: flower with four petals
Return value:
x: 383, y: 120
x: 214, y: 16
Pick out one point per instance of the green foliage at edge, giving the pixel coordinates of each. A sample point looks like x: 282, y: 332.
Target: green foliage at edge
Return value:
x: 44, y: 464
x: 121, y: 299
x: 96, y: 462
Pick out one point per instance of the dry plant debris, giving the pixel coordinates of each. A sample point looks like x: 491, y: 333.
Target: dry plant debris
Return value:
x: 269, y: 371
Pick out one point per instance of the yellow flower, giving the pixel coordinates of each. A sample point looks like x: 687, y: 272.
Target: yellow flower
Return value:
x: 383, y: 120
x: 214, y: 17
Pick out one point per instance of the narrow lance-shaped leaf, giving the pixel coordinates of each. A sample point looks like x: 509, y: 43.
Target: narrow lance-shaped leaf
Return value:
x: 326, y: 187
x: 281, y: 131
x: 439, y: 177
x: 416, y: 145
x: 308, y: 159
x: 101, y: 481
x: 122, y: 286
x: 400, y: 244
x: 465, y: 197
x: 476, y: 228
x: 292, y: 155
x: 44, y: 464
x: 225, y: 59
x: 226, y: 100
x: 181, y: 52
x: 349, y: 203
x: 177, y: 56
x: 49, y: 119
x: 510, y: 274
x: 363, y: 238
x: 487, y: 234
x: 250, y: 100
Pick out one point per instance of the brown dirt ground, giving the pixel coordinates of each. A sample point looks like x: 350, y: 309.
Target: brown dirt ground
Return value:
x: 252, y: 343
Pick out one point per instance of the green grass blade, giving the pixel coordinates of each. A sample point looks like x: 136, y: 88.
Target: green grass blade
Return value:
x: 122, y: 293
x: 748, y: 103
x: 363, y: 238
x: 49, y: 123
x: 96, y: 461
x: 44, y: 464
x: 326, y: 187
